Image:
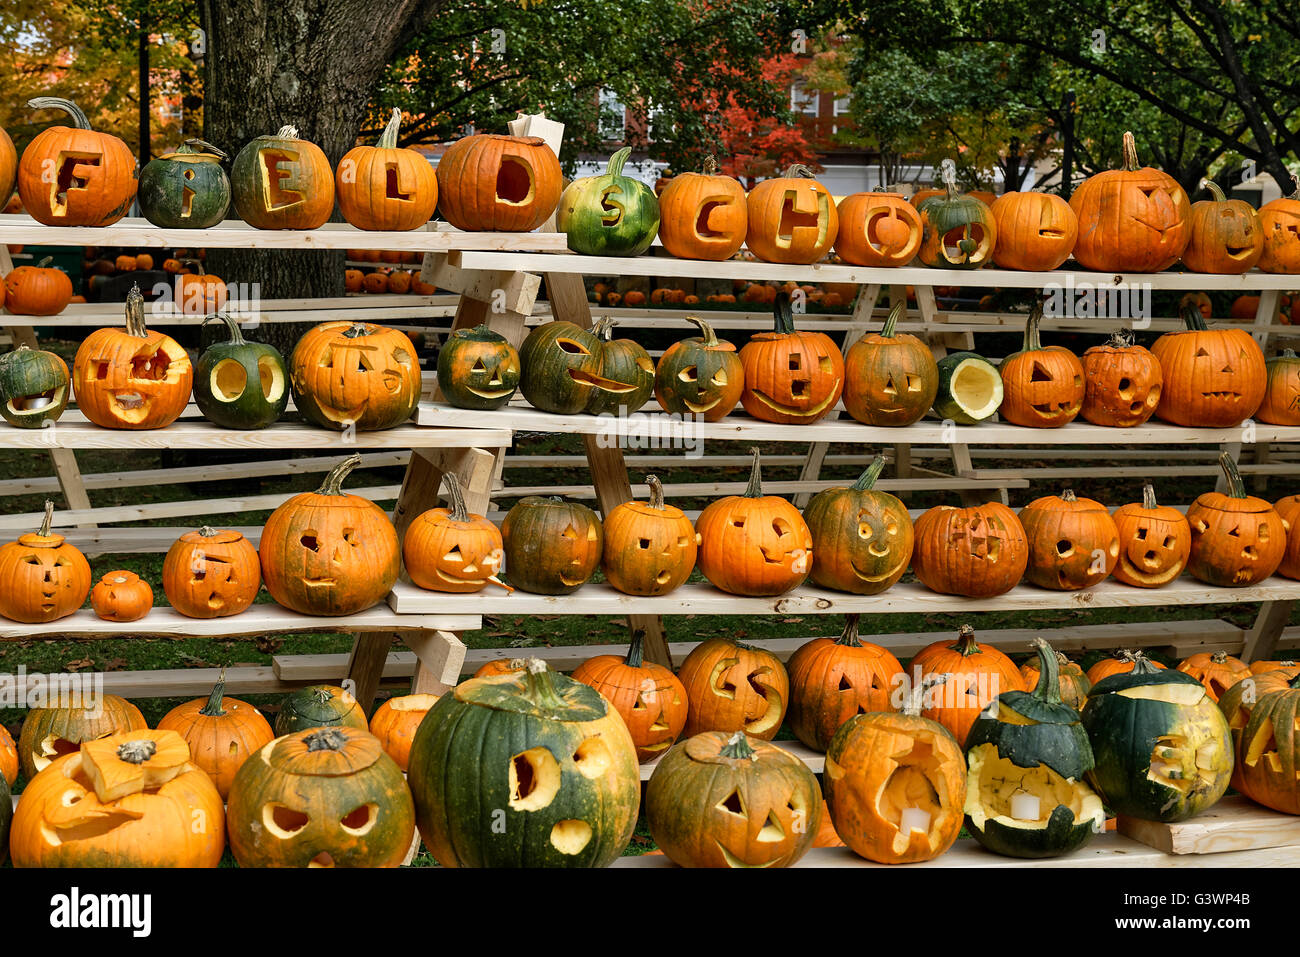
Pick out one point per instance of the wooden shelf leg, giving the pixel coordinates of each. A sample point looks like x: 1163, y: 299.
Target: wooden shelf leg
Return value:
x: 1262, y: 450
x: 1265, y: 315
x: 1261, y: 639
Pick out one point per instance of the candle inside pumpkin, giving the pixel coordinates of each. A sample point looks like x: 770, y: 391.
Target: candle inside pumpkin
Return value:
x: 915, y: 819
x: 1024, y: 807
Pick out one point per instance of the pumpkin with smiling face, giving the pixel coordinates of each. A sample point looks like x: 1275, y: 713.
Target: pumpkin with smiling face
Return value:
x: 478, y: 369
x: 1279, y: 220
x: 568, y: 369
x: 732, y: 687
x: 1237, y: 539
x: 42, y: 577
x: 1122, y: 383
x: 791, y: 377
x: 1154, y: 542
x: 355, y: 374
x: 650, y: 698
x: 890, y: 380
x: 450, y: 550
x: 650, y: 547
x: 792, y: 218
x: 1042, y: 387
x: 1213, y: 378
x: 1036, y: 231
x: 862, y: 538
x: 700, y: 376
x: 1225, y: 236
x: 552, y: 547
x: 960, y: 231
x: 877, y: 229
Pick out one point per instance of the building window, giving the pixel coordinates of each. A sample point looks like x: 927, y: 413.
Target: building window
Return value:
x: 613, y: 117
x: 803, y: 100
x: 840, y: 107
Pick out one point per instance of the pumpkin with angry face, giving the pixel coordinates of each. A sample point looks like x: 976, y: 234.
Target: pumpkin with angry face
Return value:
x: 650, y: 698
x: 1154, y: 542
x: 862, y: 538
x: 791, y: 377
x: 1237, y: 539
x: 450, y: 550
x: 355, y: 374
x: 734, y: 687
x: 478, y: 369
x: 211, y: 574
x: 42, y: 577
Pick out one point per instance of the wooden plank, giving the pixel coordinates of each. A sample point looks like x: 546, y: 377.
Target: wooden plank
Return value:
x: 1262, y: 639
x: 1234, y: 824
x: 305, y: 669
x: 503, y: 290
x: 696, y: 489
x: 441, y: 655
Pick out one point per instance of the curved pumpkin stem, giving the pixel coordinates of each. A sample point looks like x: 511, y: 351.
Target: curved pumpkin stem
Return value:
x: 1149, y: 497
x: 948, y: 174
x: 604, y: 328
x: 895, y: 313
x: 333, y: 484
x: 1049, y: 673
x: 538, y: 686
x: 738, y: 747
x: 656, y: 492
x: 232, y: 327
x: 867, y: 480
x: 1131, y: 163
x: 45, y: 262
x: 755, y: 487
x: 782, y: 314
x: 388, y: 139
x: 213, y: 708
x: 1142, y: 664
x: 635, y: 657
x: 1215, y: 190
x: 356, y: 331
x: 1193, y: 319
x: 458, y: 512
x: 710, y: 166
x: 79, y: 120
x: 289, y: 132
x: 849, y: 638
x: 1032, y: 341
x: 135, y: 314
x: 915, y: 695
x: 617, y: 161
x: 1236, y: 487
x: 202, y: 147
x: 707, y: 335
x: 966, y: 644
x: 1219, y: 657
x: 44, y: 530
x: 798, y: 171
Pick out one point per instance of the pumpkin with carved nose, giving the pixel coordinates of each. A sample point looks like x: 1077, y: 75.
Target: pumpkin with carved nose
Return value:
x: 791, y: 377
x: 42, y: 577
x: 974, y: 675
x: 478, y: 369
x: 862, y: 538
x: 1237, y: 539
x: 450, y: 550
x: 1155, y: 542
x: 650, y: 698
x: 1042, y: 387
x: 732, y: 686
x: 211, y: 573
x: 1122, y: 383
x: 1213, y: 378
x: 650, y: 547
x: 979, y: 551
x: 551, y: 546
x: 1279, y: 220
x: 890, y: 380
x: 1073, y: 542
x: 700, y: 376
x: 1226, y: 236
x: 355, y: 375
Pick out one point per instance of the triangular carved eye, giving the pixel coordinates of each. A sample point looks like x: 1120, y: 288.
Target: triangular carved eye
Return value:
x: 890, y: 388
x: 845, y: 684
x: 733, y: 804
x: 689, y: 374
x: 1201, y: 353
x: 1039, y: 374
x: 569, y: 532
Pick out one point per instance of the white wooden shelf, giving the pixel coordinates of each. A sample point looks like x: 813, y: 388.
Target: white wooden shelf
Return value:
x: 382, y: 308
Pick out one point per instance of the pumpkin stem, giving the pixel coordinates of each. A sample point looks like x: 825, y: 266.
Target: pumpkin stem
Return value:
x: 1068, y: 496
x: 656, y: 492
x: 458, y: 512
x: 1032, y: 342
x: 388, y: 139
x: 1149, y: 497
x: 615, y: 167
x: 966, y: 645
x: 213, y: 708
x: 1216, y: 191
x: 849, y: 638
x: 135, y: 314
x: 333, y: 484
x: 798, y: 171
x: 782, y: 314
x: 604, y: 328
x: 867, y: 479
x: 895, y: 313
x: 1142, y: 664
x: 79, y: 120
x: 912, y: 706
x: 326, y: 739
x: 737, y: 747
x: 287, y: 133
x: 710, y: 165
x: 137, y: 752
x: 1049, y: 673
x: 236, y: 334
x: 1219, y: 657
x: 1286, y: 353
x: 207, y: 531
x: 707, y: 335
x: 948, y: 174
x: 1236, y: 487
x: 1121, y: 339
x: 635, y: 657
x: 539, y: 689
x: 755, y: 487
x: 44, y: 530
x: 45, y: 262
x: 356, y: 331
x: 202, y: 146
x: 1131, y: 163
x: 1193, y: 319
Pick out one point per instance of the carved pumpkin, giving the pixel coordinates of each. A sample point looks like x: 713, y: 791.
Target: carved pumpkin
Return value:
x: 211, y: 574
x: 792, y: 218
x: 8, y: 761
x: 1262, y: 712
x: 959, y: 230
x: 1073, y: 542
x: 552, y: 546
x: 200, y: 293
x: 121, y: 596
x: 1135, y: 219
x: 754, y: 544
x: 1281, y: 405
x: 1279, y: 220
x: 721, y: 800
x: 1071, y: 679
x: 610, y: 214
x: 450, y: 550
x: 8, y: 170
x: 328, y: 797
x: 1226, y: 236
x: 1237, y: 539
x: 700, y: 376
x: 831, y: 680
x: 976, y: 675
x: 568, y: 369
x: 1121, y: 663
x: 355, y: 374
x: 39, y: 290
x: 282, y: 182
x: 1263, y: 667
x: 395, y: 722
x: 1122, y: 383
x: 978, y: 552
x: 186, y: 189
x: 240, y: 384
x: 133, y: 799
x: 60, y: 728
x: 734, y: 687
x: 1155, y: 542
x: 1213, y: 378
x: 42, y: 577
x: 890, y: 380
x: 478, y: 369
x: 34, y: 387
x: 1042, y: 387
x: 222, y: 733
x: 73, y: 176
x: 1289, y: 510
x: 648, y: 696
x: 1217, y: 670
x: 627, y: 373
x: 385, y: 186
x: 488, y: 182
x: 328, y: 552
x: 791, y: 377
x: 877, y: 229
x: 862, y: 538
x: 319, y: 706
x: 703, y: 215
x: 650, y: 547
x: 1036, y: 231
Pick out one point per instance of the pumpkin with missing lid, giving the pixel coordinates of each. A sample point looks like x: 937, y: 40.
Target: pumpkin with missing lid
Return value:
x: 34, y: 387
x: 1259, y: 710
x: 478, y: 369
x: 211, y: 573
x: 862, y: 538
x: 450, y: 550
x: 650, y: 547
x: 222, y: 733
x: 732, y: 687
x: 1237, y: 539
x: 700, y: 376
x: 355, y: 375
x: 960, y: 231
x: 60, y: 727
x: 42, y: 577
x: 1155, y: 542
x: 792, y: 218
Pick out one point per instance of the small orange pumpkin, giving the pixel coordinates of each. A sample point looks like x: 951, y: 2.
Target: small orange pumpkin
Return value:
x: 38, y: 290
x: 121, y: 596
x: 211, y: 574
x: 650, y: 547
x: 450, y: 550
x: 1155, y: 542
x: 703, y: 215
x: 42, y: 577
x: 385, y: 186
x: 1036, y: 231
x: 395, y: 722
x: 1216, y: 670
x: 877, y: 229
x: 1042, y: 387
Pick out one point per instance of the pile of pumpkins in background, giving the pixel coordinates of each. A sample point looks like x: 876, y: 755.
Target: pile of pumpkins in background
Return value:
x: 520, y: 766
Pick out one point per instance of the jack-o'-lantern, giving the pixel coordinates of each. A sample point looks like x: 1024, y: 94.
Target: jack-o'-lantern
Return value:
x: 1036, y: 231
x: 8, y: 169
x: 1122, y: 383
x: 734, y: 687
x: 650, y: 547
x: 1262, y: 710
x: 561, y: 367
x: 34, y: 387
x: 1213, y: 378
x: 240, y: 384
x: 1042, y: 387
x: 1073, y: 542
x: 131, y: 378
x: 211, y: 573
x: 1217, y: 670
x: 327, y: 797
x: 1225, y: 235
x: 133, y: 799
x: 478, y: 369
x: 185, y: 189
x: 395, y: 722
x: 610, y: 214
x: 488, y: 182
x: 650, y: 698
x: 959, y: 231
x: 754, y: 544
x: 1289, y: 510
x: 73, y: 176
x: 1074, y: 683
x: 355, y: 374
x: 978, y: 552
x: 1279, y: 220
x: 862, y: 538
x: 64, y: 724
x: 328, y: 552
x: 121, y: 596
x: 975, y: 675
x: 720, y: 800
x: 1237, y: 539
x: 450, y: 550
x: 40, y: 290
x: 831, y: 680
x: 700, y: 376
x: 42, y: 577
x: 627, y: 373
x: 877, y: 229
x: 199, y: 293
x: 222, y: 733
x: 1281, y: 405
x: 281, y: 181
x: 896, y: 783
x: 792, y: 218
x: 703, y: 215
x: 890, y: 380
x: 385, y: 186
x: 1155, y: 542
x: 552, y: 546
x: 1135, y: 219
x: 791, y: 377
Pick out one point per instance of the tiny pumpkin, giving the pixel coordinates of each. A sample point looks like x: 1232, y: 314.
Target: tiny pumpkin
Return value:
x: 121, y: 596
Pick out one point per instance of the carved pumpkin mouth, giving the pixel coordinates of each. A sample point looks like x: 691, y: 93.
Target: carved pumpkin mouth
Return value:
x: 320, y: 582
x: 1239, y: 252
x: 1052, y: 408
x: 699, y: 408
x: 491, y: 393
x: 1221, y: 395
x: 34, y: 403
x: 872, y: 579
x: 811, y: 412
x: 599, y: 382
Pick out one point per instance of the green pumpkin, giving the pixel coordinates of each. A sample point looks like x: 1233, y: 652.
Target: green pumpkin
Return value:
x: 862, y: 538
x: 1162, y: 747
x: 701, y: 375
x: 970, y: 388
x: 528, y: 769
x: 240, y: 384
x: 1035, y: 744
x: 627, y: 373
x: 319, y: 706
x: 561, y: 364
x: 33, y: 387
x: 552, y: 547
x: 609, y: 215
x: 187, y: 189
x: 478, y: 369
x: 959, y: 231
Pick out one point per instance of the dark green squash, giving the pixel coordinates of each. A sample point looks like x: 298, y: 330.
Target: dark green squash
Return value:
x: 187, y: 189
x: 610, y: 214
x: 959, y: 231
x: 1162, y: 747
x: 478, y: 369
x: 240, y: 384
x: 33, y: 387
x: 862, y: 538
x: 561, y: 364
x: 700, y: 376
x: 319, y: 706
x: 527, y: 769
x: 970, y: 388
x: 627, y: 373
x: 552, y: 547
x: 890, y: 380
x: 1035, y: 744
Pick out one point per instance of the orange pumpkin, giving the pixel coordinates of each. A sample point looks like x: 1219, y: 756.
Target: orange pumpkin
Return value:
x: 979, y: 551
x: 352, y: 280
x: 222, y: 733
x: 650, y: 547
x: 200, y: 294
x: 1155, y: 542
x: 42, y: 577
x: 650, y: 698
x: 976, y: 675
x: 395, y: 722
x: 211, y: 574
x: 501, y: 666
x: 1289, y: 509
x: 73, y: 176
x: 450, y: 550
x: 1121, y: 663
x: 124, y: 264
x: 355, y: 374
x: 8, y: 170
x: 1237, y: 539
x: 1036, y: 231
x: 375, y: 282
x: 1226, y: 236
x: 1279, y: 220
x: 703, y: 215
x: 144, y: 261
x: 498, y: 183
x: 792, y: 218
x: 38, y: 290
x: 399, y: 282
x: 1122, y: 383
x: 121, y: 596
x: 1200, y: 300
x: 877, y: 229
x: 8, y: 757
x: 67, y: 721
x: 384, y: 186
x: 1073, y: 542
x: 734, y: 687
x: 1216, y: 670
x: 791, y: 377
x: 1212, y: 378
x: 1074, y: 683
x: 281, y: 181
x: 1042, y: 387
x: 1281, y: 405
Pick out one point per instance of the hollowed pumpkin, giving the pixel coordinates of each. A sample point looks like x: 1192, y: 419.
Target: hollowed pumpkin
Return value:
x: 792, y: 218
x: 1213, y: 378
x: 1042, y: 387
x: 862, y: 538
x: 1122, y: 383
x: 282, y: 182
x: 1073, y: 682
x: 240, y: 384
x: 1281, y: 405
x: 355, y: 374
x: 890, y: 380
x: 1237, y: 539
x: 121, y: 596
x: 734, y: 687
x: 791, y: 377
x: 73, y: 176
x: 60, y: 728
x: 385, y: 186
x: 974, y: 675
x: 1279, y: 220
x: 959, y: 231
x: 395, y: 722
x: 701, y: 376
x: 1036, y: 231
x: 478, y: 369
x: 610, y: 214
x: 187, y: 189
x: 877, y: 229
x: 1155, y: 542
x: 1073, y: 542
x: 552, y: 546
x: 1216, y: 670
x: 42, y: 577
x: 650, y: 547
x: 979, y: 552
x: 34, y: 387
x: 450, y: 550
x: 488, y: 182
x: 211, y: 574
x: 1225, y: 237
x: 1262, y: 713
x: 703, y: 215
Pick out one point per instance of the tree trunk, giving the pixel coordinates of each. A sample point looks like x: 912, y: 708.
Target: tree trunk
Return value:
x: 309, y: 63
